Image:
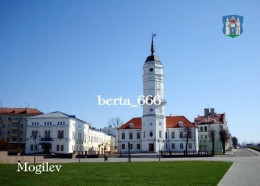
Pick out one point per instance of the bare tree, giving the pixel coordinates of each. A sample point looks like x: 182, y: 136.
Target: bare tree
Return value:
x: 234, y: 141
x: 187, y: 135
x: 115, y: 122
x: 212, y: 137
x: 223, y: 135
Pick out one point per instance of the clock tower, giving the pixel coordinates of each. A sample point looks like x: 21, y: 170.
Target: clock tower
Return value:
x: 153, y: 119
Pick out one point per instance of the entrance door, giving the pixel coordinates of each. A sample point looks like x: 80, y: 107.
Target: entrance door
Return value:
x: 46, y: 148
x: 151, y: 147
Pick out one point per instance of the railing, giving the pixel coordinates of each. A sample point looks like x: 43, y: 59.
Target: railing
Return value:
x: 46, y: 139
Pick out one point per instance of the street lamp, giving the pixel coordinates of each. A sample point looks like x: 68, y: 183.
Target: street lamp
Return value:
x: 129, y: 154
x: 35, y: 136
x: 79, y: 142
x: 159, y: 148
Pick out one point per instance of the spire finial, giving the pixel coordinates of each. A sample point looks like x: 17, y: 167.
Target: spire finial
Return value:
x: 152, y: 46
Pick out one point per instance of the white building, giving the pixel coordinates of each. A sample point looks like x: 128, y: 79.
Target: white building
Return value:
x: 113, y: 132
x: 60, y: 133
x: 211, y: 121
x: 174, y: 140
x: 150, y: 132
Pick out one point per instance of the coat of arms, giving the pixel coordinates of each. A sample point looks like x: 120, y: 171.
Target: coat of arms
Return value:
x: 232, y: 25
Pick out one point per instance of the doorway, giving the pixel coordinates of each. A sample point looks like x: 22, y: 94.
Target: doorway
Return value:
x: 151, y: 147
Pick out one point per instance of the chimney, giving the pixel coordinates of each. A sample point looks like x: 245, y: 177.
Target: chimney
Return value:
x: 212, y: 112
x: 206, y: 112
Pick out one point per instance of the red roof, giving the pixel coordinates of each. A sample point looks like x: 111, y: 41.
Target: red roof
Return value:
x: 171, y: 122
x: 136, y: 121
x: 29, y: 111
x: 210, y: 119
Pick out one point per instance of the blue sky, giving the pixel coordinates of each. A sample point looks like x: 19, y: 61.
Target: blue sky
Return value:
x: 59, y: 55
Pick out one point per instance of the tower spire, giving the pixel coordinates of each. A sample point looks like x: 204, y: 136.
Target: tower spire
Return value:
x: 152, y: 45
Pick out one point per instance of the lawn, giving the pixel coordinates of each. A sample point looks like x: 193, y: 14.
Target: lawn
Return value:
x: 137, y: 173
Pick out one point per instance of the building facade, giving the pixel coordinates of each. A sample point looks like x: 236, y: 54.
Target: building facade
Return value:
x: 211, y: 121
x: 154, y: 132
x: 178, y: 129
x: 61, y: 133
x: 13, y: 127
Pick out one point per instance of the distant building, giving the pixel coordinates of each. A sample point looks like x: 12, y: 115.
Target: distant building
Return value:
x: 13, y: 126
x: 211, y: 121
x: 113, y: 132
x: 61, y: 133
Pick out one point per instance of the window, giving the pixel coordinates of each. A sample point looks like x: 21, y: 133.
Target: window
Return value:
x: 166, y: 135
x: 123, y: 135
x: 173, y: 134
x: 31, y: 147
x: 13, y: 139
x: 21, y: 132
x: 190, y: 146
x: 151, y: 134
x: 144, y: 134
x: 138, y: 146
x: 201, y: 136
x: 123, y: 146
x: 206, y: 136
x: 160, y: 134
x: 58, y: 148
x: 130, y: 135
x: 205, y: 128
x: 35, y: 147
x: 181, y: 134
x: 21, y: 125
x: 138, y: 135
x: 189, y: 134
x: 201, y: 128
x: 181, y: 146
x: 60, y: 134
x: 62, y: 147
x: 173, y: 145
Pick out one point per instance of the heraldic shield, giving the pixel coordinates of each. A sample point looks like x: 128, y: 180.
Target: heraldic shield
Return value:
x: 233, y: 25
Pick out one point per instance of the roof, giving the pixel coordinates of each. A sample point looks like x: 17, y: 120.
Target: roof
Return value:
x: 171, y: 122
x: 56, y: 114
x: 136, y: 121
x: 152, y: 58
x: 28, y: 111
x: 210, y: 119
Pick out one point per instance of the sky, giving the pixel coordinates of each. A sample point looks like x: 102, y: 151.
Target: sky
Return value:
x: 60, y: 55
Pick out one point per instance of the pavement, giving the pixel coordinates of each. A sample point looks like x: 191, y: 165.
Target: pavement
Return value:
x: 245, y: 170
